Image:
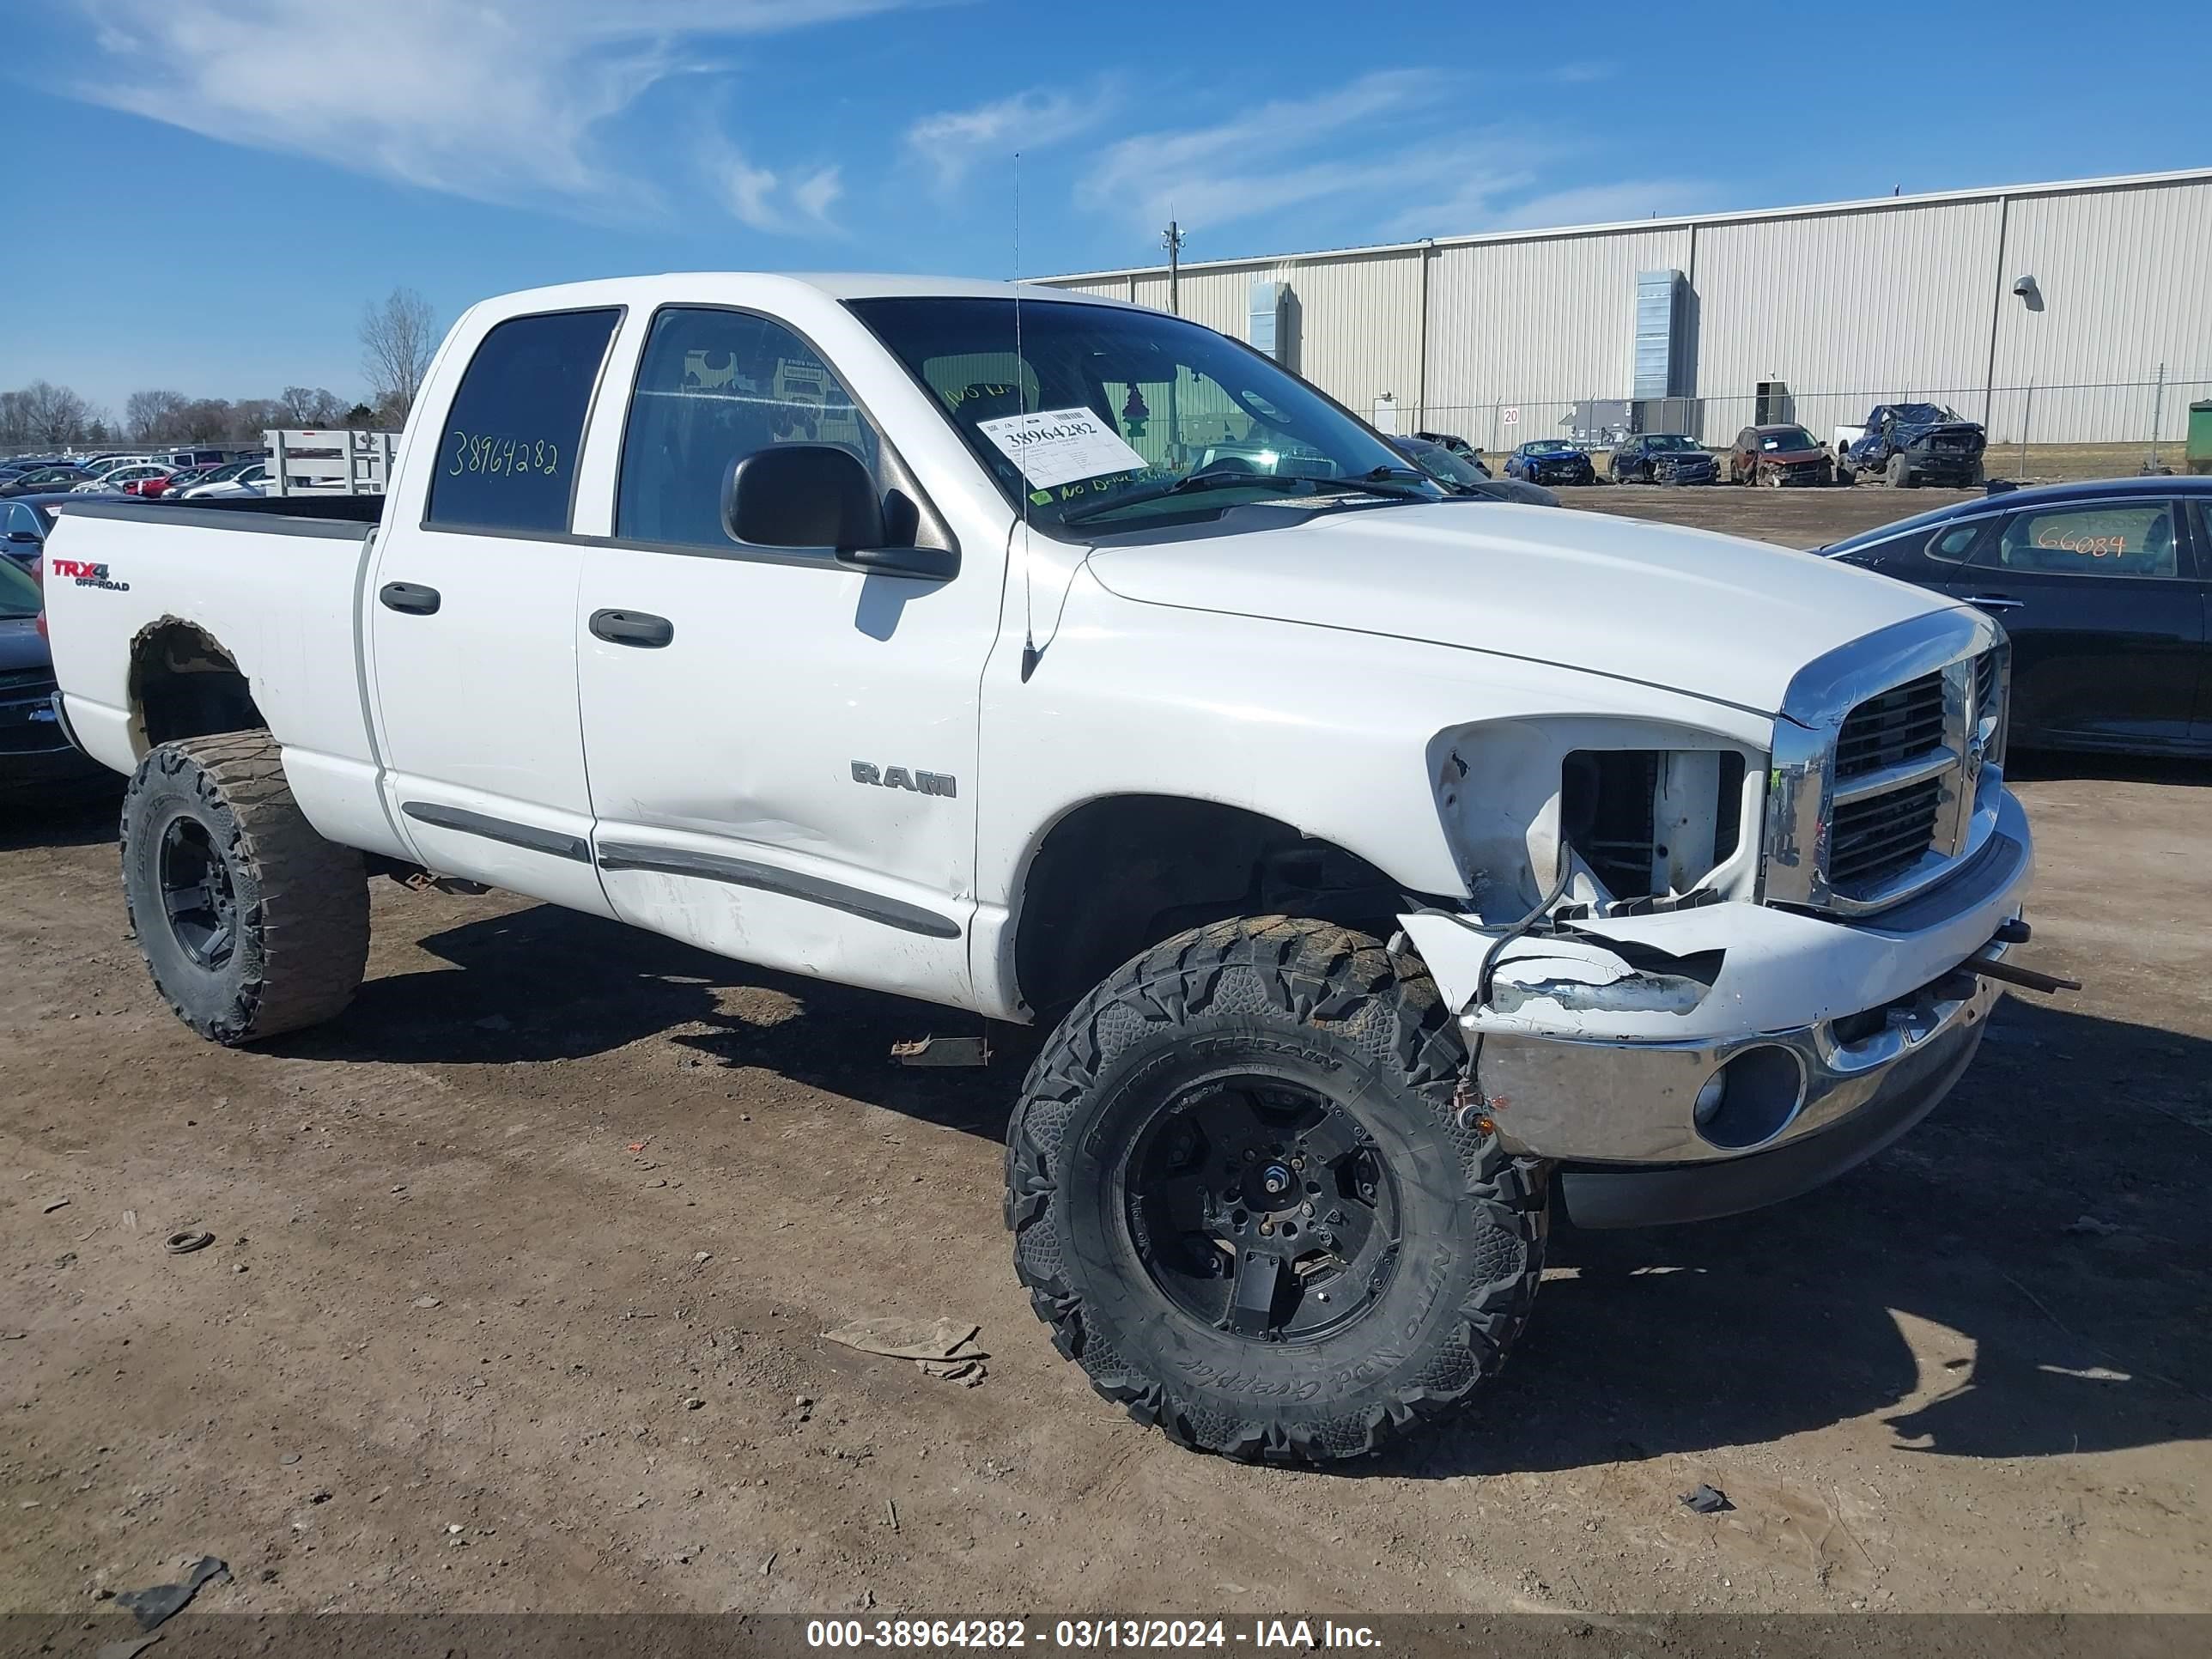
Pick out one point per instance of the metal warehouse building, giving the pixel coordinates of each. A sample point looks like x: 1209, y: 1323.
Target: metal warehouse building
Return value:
x: 2077, y: 312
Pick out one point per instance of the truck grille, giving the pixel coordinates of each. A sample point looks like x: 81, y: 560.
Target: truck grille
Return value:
x: 1882, y: 835
x: 1901, y: 725
x: 1877, y: 787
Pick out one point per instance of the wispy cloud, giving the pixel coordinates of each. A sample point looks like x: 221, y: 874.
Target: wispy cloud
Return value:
x: 496, y: 100
x: 777, y: 204
x: 1581, y: 71
x: 953, y: 144
x: 1251, y: 163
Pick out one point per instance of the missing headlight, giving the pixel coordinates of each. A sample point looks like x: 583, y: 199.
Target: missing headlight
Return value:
x: 1652, y: 823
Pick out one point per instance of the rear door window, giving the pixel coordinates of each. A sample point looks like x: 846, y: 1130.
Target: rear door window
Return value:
x: 2090, y: 538
x: 507, y: 451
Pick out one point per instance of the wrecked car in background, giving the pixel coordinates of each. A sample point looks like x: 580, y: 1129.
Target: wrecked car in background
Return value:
x: 1779, y: 455
x: 1909, y: 445
x: 1662, y: 457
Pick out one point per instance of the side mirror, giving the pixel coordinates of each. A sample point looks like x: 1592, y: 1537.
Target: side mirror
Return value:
x: 815, y: 496
x: 23, y: 536
x: 802, y: 496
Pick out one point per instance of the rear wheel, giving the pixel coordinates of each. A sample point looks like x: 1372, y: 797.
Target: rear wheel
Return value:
x: 250, y: 923
x: 1242, y: 1199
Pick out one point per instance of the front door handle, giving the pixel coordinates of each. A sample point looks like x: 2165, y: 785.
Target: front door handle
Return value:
x: 1996, y: 602
x: 413, y: 598
x: 632, y: 627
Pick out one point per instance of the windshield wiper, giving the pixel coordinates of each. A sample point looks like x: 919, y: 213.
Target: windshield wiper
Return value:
x: 1381, y: 481
x: 1195, y: 481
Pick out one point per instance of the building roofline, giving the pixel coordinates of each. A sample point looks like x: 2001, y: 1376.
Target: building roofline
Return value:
x: 1869, y: 204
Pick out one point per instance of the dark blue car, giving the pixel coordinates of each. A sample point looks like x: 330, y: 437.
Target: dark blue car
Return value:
x: 1551, y: 461
x: 1667, y: 457
x: 2105, y: 590
x: 1913, y: 444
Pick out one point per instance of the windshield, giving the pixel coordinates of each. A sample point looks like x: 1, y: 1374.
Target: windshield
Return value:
x: 1548, y: 446
x: 19, y: 594
x: 1671, y: 442
x: 1791, y: 437
x: 1110, y: 408
x: 1440, y: 463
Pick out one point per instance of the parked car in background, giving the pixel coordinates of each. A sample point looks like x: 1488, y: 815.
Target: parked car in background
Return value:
x: 182, y: 459
x: 1664, y: 458
x: 147, y: 484
x: 115, y: 478
x: 1464, y: 478
x: 213, y: 475
x: 1458, y: 446
x: 24, y: 522
x: 41, y: 480
x: 35, y: 757
x: 174, y: 484
x: 1909, y: 445
x: 2104, y: 589
x: 1776, y: 455
x: 252, y: 478
x: 1551, y: 461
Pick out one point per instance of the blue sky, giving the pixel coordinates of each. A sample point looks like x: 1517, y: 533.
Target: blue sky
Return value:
x: 205, y: 192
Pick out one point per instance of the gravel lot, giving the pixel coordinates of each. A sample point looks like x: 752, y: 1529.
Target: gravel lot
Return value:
x: 521, y: 1270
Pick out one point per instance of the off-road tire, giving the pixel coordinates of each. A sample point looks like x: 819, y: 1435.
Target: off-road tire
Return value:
x: 1319, y: 1003
x: 301, y: 935
x: 1900, y: 474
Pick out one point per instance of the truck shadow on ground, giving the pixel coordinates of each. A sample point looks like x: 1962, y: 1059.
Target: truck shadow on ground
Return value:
x: 2029, y: 1273
x: 543, y: 983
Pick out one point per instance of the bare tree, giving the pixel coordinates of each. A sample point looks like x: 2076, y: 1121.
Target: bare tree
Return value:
x: 153, y: 414
x: 52, y: 414
x: 397, y: 339
x: 314, y: 406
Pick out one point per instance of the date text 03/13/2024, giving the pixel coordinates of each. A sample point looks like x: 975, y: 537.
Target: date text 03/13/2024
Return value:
x: 1086, y: 1634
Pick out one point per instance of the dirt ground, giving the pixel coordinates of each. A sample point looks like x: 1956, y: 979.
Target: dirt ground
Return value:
x: 521, y: 1269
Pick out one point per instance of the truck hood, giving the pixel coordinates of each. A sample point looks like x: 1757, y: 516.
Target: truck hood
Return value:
x: 1712, y: 616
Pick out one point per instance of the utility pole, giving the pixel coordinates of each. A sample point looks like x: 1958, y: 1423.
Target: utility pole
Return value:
x: 1171, y: 240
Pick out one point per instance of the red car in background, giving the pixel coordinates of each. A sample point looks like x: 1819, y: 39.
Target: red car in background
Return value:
x: 176, y: 482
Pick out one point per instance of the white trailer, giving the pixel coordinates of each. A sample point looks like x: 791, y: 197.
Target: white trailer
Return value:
x: 306, y: 461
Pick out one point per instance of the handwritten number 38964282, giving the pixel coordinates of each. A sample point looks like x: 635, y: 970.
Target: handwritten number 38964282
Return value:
x: 501, y: 457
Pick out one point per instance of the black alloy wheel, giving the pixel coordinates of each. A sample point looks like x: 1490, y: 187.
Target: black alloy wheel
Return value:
x: 197, y: 896
x: 1258, y: 1207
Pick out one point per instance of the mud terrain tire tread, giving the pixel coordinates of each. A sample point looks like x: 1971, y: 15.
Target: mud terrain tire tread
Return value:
x: 303, y: 940
x: 1312, y: 974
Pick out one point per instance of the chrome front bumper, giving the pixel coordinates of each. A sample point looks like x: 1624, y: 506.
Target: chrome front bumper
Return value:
x: 1635, y: 1103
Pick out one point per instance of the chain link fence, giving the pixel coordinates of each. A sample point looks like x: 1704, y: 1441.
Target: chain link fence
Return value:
x: 2037, y: 434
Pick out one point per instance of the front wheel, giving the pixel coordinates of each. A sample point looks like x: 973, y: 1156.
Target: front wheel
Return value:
x: 1242, y: 1199
x: 250, y: 923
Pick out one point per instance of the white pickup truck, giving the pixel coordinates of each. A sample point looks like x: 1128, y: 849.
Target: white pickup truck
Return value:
x: 1387, y: 866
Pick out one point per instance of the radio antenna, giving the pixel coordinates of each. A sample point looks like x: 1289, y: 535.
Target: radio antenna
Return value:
x: 1022, y: 407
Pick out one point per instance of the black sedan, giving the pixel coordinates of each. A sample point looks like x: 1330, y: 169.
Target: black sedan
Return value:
x: 1551, y: 461
x: 35, y: 759
x: 1465, y: 477
x: 1664, y: 458
x: 25, y: 521
x: 2106, y: 590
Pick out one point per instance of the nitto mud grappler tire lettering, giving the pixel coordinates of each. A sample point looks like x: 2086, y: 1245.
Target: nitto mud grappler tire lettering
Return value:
x: 1240, y: 1198
x: 250, y: 923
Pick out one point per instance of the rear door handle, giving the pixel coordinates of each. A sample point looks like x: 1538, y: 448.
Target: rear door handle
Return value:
x: 632, y: 627
x: 1996, y: 602
x: 412, y: 597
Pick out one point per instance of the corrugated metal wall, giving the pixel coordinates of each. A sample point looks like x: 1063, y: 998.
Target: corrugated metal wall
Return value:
x: 1845, y: 305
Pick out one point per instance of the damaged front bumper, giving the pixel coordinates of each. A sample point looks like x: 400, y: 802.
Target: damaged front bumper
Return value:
x: 1710, y: 1061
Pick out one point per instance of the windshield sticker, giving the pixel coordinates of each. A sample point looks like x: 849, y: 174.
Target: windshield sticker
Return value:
x: 1060, y: 445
